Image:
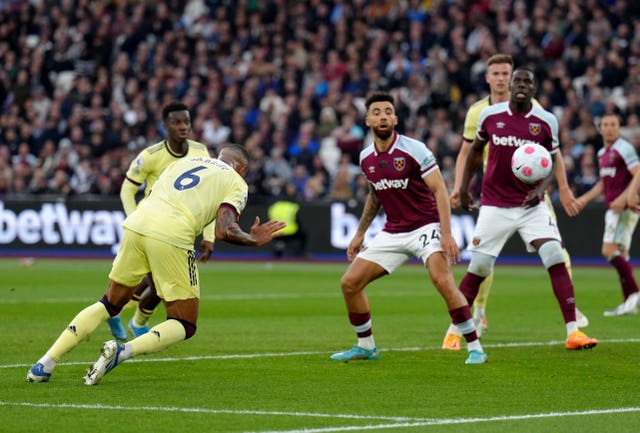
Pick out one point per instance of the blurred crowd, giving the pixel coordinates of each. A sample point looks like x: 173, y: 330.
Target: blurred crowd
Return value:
x: 83, y: 82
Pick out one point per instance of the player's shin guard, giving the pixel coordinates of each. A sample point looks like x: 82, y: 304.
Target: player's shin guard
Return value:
x: 470, y: 285
x: 85, y: 322
x: 161, y: 336
x: 483, y: 292
x: 563, y: 290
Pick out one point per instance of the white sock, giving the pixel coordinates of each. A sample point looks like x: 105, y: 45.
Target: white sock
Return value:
x: 453, y: 329
x: 48, y: 362
x: 571, y: 327
x: 474, y: 345
x: 367, y: 342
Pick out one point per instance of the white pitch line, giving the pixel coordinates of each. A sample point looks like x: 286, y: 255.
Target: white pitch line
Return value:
x: 308, y: 353
x: 402, y: 422
x: 450, y: 421
x: 212, y: 411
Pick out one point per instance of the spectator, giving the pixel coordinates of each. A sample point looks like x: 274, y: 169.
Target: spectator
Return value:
x: 97, y: 75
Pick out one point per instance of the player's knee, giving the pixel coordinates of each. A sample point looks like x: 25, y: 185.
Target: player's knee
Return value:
x: 610, y: 252
x: 349, y: 285
x: 481, y: 264
x: 551, y: 253
x: 113, y: 310
x: 189, y: 328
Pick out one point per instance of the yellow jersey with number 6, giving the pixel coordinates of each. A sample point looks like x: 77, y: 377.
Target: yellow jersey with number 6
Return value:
x: 186, y: 198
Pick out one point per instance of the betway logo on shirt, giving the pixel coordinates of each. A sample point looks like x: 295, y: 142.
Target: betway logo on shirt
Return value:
x: 391, y: 184
x: 510, y: 140
x: 608, y: 171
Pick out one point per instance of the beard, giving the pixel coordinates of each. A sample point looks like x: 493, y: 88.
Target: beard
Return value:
x: 383, y: 134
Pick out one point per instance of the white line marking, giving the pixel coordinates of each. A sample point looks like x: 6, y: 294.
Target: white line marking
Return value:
x: 307, y: 353
x: 450, y: 421
x: 213, y: 411
x: 403, y: 422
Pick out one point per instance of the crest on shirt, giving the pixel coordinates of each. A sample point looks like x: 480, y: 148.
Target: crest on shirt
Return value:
x: 476, y: 242
x: 135, y: 167
x: 535, y: 128
x: 399, y: 163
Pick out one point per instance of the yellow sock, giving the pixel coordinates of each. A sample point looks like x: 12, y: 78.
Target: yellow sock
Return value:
x: 133, y: 303
x: 80, y: 327
x: 483, y: 292
x: 158, y: 338
x: 141, y: 316
x: 567, y: 262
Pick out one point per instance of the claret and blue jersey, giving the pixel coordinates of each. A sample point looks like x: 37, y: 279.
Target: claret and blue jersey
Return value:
x: 397, y: 177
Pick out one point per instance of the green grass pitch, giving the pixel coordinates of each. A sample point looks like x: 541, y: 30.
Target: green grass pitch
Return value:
x: 260, y: 359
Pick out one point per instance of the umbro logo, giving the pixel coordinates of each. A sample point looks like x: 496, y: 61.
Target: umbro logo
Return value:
x: 72, y: 329
x: 500, y: 125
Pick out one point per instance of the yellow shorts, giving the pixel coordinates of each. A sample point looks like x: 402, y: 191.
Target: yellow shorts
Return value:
x: 174, y: 269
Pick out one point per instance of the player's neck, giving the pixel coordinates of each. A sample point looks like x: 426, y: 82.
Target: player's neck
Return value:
x: 495, y: 98
x: 179, y: 147
x: 521, y: 107
x: 383, y: 144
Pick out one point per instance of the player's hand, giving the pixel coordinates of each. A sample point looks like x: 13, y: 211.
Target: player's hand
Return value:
x: 569, y: 202
x: 454, y: 199
x: 531, y: 200
x: 466, y: 202
x: 619, y: 204
x: 265, y: 233
x: 355, y: 246
x: 204, y: 251
x: 450, y: 248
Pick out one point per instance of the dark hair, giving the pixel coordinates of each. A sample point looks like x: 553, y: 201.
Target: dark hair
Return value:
x: 171, y: 107
x: 378, y: 97
x: 526, y: 69
x: 240, y: 150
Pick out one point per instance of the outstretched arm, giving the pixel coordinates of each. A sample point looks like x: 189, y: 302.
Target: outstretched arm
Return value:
x: 594, y: 192
x: 227, y: 229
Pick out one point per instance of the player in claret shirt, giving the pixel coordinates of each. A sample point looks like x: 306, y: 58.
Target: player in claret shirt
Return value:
x: 618, y: 164
x: 405, y: 181
x: 509, y: 205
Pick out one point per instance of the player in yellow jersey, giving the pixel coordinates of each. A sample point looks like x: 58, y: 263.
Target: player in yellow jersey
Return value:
x: 144, y: 171
x: 158, y: 238
x: 498, y: 76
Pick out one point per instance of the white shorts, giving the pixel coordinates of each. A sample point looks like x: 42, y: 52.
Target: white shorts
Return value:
x: 496, y: 225
x: 391, y: 250
x: 619, y: 227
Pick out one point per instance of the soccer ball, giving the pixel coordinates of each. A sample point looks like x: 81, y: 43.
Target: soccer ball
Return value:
x: 531, y: 162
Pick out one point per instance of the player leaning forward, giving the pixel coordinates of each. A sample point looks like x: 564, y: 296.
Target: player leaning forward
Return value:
x: 159, y: 237
x: 509, y: 205
x: 405, y: 181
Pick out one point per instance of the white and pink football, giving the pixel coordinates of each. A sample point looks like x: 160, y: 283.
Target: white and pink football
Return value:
x: 531, y: 162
